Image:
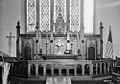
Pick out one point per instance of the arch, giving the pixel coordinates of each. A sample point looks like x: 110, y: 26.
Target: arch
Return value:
x: 106, y: 68
x: 98, y: 68
x: 91, y: 53
x: 40, y: 70
x: 64, y: 72
x: 103, y: 68
x: 110, y: 68
x: 79, y: 69
x: 87, y: 69
x: 59, y: 25
x: 32, y: 69
x: 71, y: 72
x: 48, y: 70
x: 94, y: 69
x: 56, y: 72
x: 27, y: 53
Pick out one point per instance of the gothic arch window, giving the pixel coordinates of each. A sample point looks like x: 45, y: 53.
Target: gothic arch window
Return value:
x: 40, y: 11
x: 87, y: 69
x: 79, y: 69
x: 59, y: 7
x: 75, y: 15
x: 31, y: 15
x: 44, y: 6
x: 32, y: 69
x: 91, y: 53
x: 27, y: 51
x: 40, y: 70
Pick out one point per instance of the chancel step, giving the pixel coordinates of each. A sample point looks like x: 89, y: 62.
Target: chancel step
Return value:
x: 58, y: 80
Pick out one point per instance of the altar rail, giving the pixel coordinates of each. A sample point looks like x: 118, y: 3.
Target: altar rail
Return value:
x: 82, y: 68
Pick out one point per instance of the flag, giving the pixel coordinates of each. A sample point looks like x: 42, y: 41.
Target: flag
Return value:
x: 109, y: 46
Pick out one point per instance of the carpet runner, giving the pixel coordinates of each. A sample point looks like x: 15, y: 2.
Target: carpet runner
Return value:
x: 58, y: 80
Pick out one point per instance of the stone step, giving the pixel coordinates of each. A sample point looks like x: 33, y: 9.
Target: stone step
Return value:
x: 58, y: 80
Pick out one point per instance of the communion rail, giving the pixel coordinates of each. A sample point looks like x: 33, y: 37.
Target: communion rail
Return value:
x: 75, y: 69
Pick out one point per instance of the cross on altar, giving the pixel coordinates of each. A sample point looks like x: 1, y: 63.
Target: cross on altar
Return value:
x: 10, y: 42
x: 59, y: 44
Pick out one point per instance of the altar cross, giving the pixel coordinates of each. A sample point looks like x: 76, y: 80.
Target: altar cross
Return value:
x: 10, y: 36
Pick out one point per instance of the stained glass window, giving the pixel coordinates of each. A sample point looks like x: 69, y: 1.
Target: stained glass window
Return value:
x: 44, y: 15
x: 88, y: 15
x: 31, y: 15
x: 75, y: 15
x: 59, y: 7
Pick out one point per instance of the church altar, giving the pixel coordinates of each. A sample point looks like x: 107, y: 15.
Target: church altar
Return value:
x: 59, y: 56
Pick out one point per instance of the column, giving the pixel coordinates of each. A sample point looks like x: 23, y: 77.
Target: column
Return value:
x: 40, y: 43
x: 51, y: 15
x: 108, y: 68
x: 68, y: 41
x: 37, y: 40
x: 67, y: 70
x: 96, y: 69
x: 111, y: 65
x: 52, y: 70
x: 91, y: 69
x: 17, y: 42
x: 51, y: 44
x: 68, y: 15
x: 100, y: 68
x: 60, y: 71
x: 75, y: 70
x: 101, y: 40
x: 36, y: 69
x: 29, y: 73
x: 104, y: 68
x: 83, y: 70
x: 82, y: 43
x: 44, y: 70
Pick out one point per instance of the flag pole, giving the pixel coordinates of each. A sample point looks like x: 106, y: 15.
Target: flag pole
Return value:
x: 109, y: 45
x: 2, y: 66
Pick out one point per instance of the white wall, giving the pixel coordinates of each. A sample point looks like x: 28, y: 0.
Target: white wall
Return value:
x: 10, y: 13
x: 108, y: 11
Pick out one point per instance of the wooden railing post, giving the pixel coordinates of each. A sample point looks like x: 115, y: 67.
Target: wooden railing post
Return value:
x: 91, y: 69
x: 96, y: 69
x: 105, y: 68
x: 29, y: 71
x: 60, y: 71
x: 52, y: 70
x: 83, y: 69
x: 67, y: 70
x: 100, y: 68
x: 75, y: 70
x: 44, y: 70
x: 36, y: 69
x: 108, y: 68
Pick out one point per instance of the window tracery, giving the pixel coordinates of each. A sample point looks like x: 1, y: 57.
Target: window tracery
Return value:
x: 59, y: 7
x: 31, y: 15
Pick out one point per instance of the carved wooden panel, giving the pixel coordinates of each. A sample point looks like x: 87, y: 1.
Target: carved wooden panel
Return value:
x: 91, y: 49
x: 27, y: 48
x: 91, y: 53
